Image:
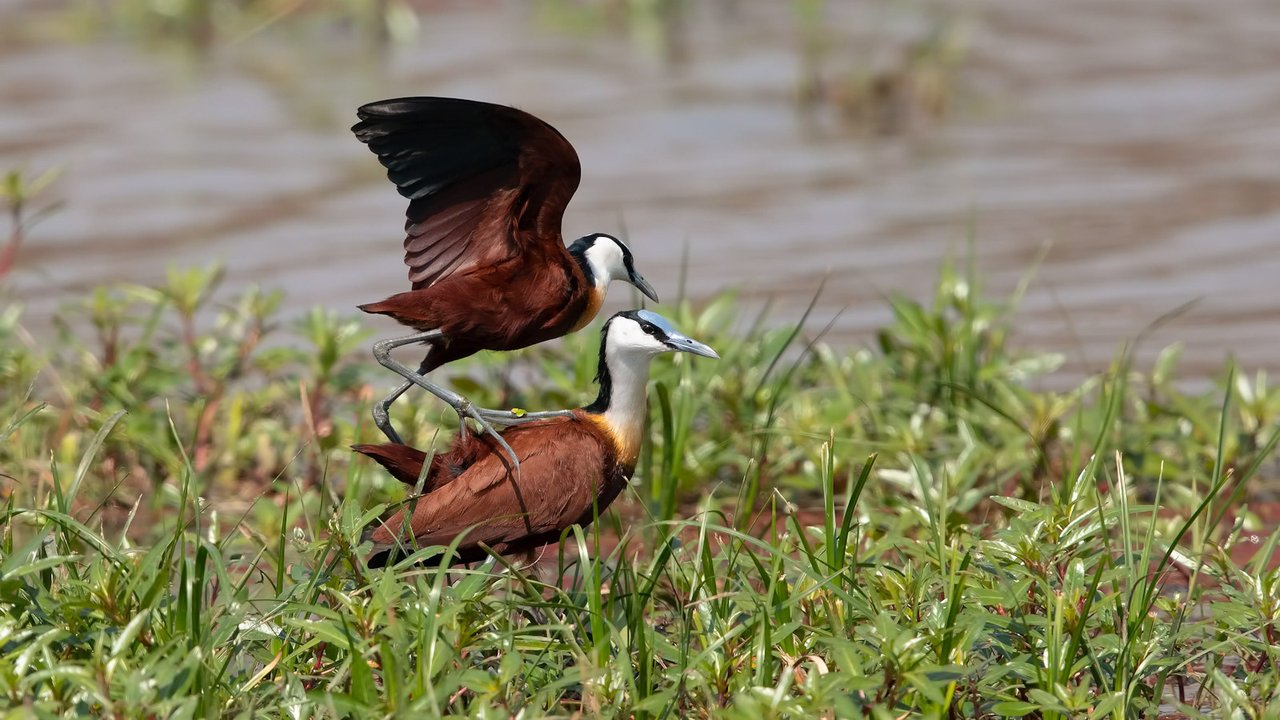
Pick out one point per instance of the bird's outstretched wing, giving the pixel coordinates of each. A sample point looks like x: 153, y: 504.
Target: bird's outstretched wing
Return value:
x: 484, y: 181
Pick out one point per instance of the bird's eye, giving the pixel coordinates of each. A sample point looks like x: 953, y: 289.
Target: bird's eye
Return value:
x: 648, y: 327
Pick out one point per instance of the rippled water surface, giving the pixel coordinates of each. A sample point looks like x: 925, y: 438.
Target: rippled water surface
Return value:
x: 1139, y: 140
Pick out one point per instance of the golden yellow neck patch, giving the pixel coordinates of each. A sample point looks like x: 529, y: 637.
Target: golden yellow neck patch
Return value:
x: 626, y: 438
x: 595, y: 298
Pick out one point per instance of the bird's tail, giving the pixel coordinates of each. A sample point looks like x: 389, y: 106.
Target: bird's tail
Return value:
x: 376, y: 308
x: 403, y: 462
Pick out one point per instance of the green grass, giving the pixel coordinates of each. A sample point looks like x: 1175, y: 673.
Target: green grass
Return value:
x: 813, y: 531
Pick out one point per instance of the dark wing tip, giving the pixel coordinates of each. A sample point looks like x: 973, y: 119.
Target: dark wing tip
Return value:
x: 420, y: 109
x: 444, y: 154
x: 430, y: 143
x: 417, y: 103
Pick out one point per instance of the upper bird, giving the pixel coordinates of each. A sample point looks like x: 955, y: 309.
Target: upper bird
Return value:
x: 571, y: 467
x: 487, y: 187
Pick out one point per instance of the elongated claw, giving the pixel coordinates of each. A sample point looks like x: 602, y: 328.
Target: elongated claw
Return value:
x: 465, y: 410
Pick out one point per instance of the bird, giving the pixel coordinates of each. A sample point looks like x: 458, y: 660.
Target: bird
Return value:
x: 487, y: 186
x: 572, y: 466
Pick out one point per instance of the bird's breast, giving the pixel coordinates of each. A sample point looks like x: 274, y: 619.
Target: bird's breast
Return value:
x: 595, y: 298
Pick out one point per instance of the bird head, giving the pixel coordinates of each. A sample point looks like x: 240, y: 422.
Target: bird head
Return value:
x: 646, y: 333
x: 605, y: 258
x: 628, y: 341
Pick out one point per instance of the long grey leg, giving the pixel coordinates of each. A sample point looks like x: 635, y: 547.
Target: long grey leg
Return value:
x: 382, y: 409
x: 462, y: 406
x: 382, y: 418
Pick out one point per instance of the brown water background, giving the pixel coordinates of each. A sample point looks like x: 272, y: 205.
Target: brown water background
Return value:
x: 1138, y: 140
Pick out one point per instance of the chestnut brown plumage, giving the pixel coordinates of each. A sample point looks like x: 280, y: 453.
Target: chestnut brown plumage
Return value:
x: 568, y: 468
x: 571, y: 467
x: 405, y: 463
x: 487, y: 187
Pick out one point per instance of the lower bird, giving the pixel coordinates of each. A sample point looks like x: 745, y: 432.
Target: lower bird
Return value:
x: 571, y: 467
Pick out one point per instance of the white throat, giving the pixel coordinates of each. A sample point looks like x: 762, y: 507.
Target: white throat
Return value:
x: 605, y: 260
x: 628, y: 409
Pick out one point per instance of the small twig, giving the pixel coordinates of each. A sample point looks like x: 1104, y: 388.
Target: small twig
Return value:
x: 10, y: 253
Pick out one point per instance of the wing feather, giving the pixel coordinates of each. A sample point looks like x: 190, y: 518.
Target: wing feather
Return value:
x: 484, y: 181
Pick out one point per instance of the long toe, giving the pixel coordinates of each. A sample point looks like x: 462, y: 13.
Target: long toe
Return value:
x: 467, y: 411
x: 511, y: 417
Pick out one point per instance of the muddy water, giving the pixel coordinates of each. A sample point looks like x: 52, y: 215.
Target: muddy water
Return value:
x: 1138, y: 140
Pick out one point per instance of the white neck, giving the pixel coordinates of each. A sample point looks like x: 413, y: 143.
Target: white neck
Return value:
x: 627, y: 411
x: 600, y: 275
x: 605, y: 260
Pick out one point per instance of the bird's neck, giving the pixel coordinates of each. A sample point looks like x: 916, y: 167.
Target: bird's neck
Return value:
x: 597, y: 285
x: 595, y: 299
x: 597, y: 276
x: 621, y: 408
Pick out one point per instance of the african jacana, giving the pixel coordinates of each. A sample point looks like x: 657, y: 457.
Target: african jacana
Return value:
x: 487, y: 187
x: 571, y: 467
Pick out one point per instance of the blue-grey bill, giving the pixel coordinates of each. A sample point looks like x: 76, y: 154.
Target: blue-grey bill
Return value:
x: 675, y: 339
x: 643, y: 286
x: 680, y: 343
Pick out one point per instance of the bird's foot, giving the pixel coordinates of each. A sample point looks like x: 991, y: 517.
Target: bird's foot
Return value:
x: 466, y: 410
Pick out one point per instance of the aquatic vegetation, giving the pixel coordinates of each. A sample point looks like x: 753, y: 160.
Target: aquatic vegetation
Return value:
x: 812, y: 531
x: 19, y: 194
